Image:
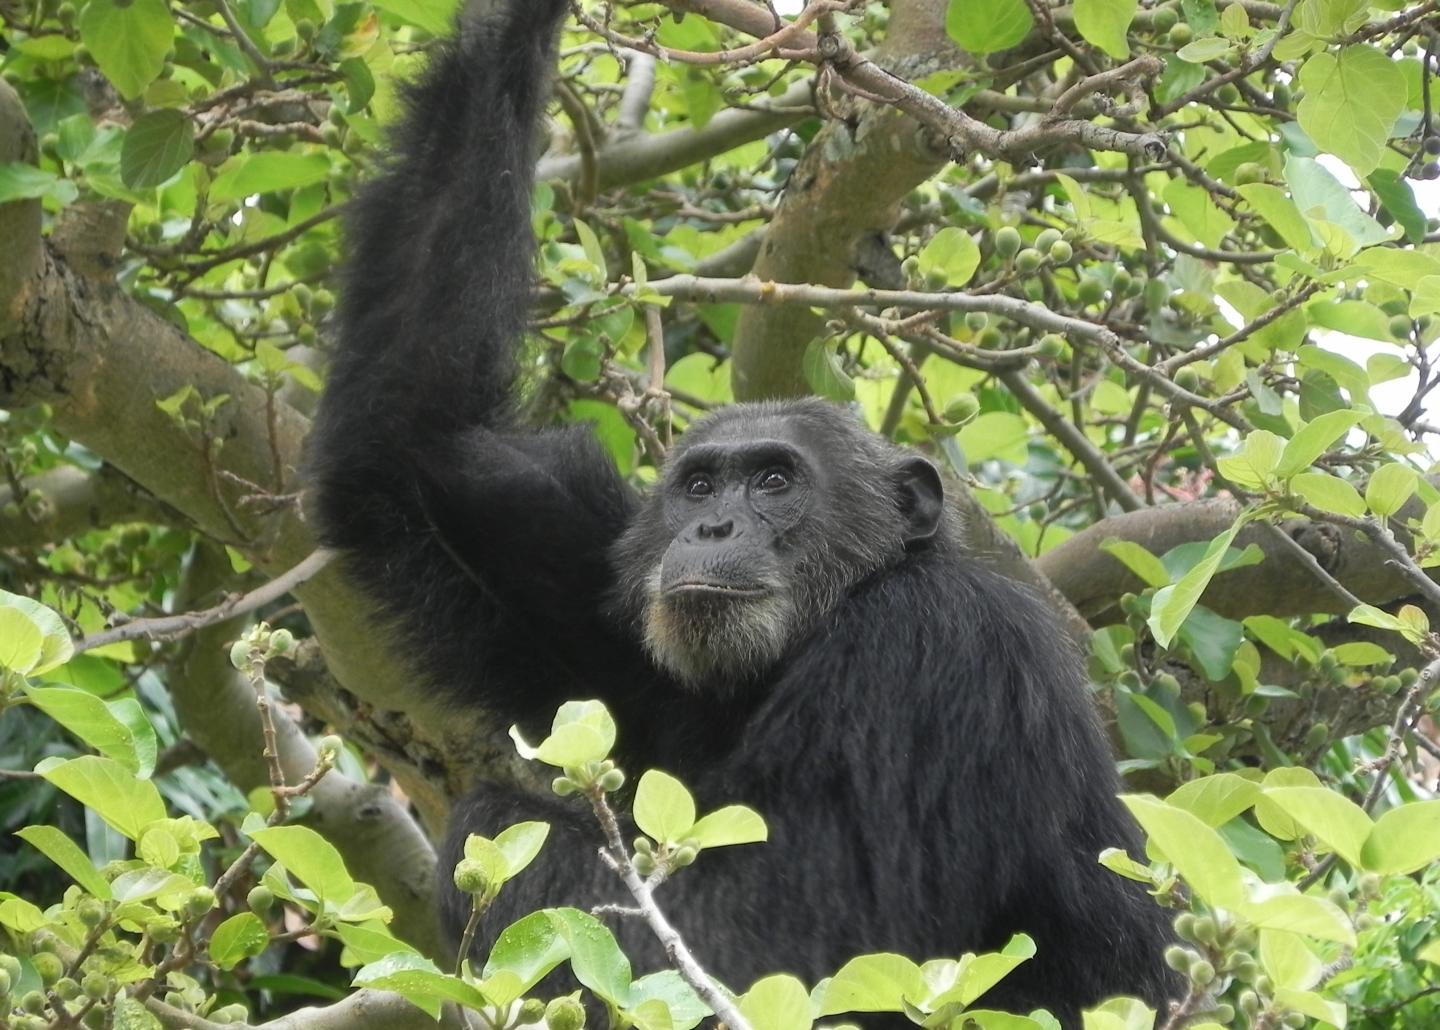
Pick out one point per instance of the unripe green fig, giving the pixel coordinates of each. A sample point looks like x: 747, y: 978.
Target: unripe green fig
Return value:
x: 612, y: 780
x: 961, y: 409
x: 1180, y: 34
x: 48, y: 967
x: 1178, y: 958
x: 976, y: 320
x: 563, y: 786
x: 1400, y: 327
x: 1090, y: 291
x: 1047, y: 239
x: 1187, y: 378
x: 198, y: 902
x: 261, y: 899
x: 1007, y: 241
x: 1164, y: 19
x: 532, y: 1010
x: 990, y: 338
x: 1053, y: 345
x: 1029, y: 260
x: 1248, y: 172
x: 1061, y: 252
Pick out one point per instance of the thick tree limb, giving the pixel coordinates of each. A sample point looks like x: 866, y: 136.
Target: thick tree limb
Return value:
x: 1094, y: 581
x: 74, y: 501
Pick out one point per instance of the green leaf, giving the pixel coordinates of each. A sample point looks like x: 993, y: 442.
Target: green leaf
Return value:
x: 1105, y: 24
x: 777, y: 1002
x: 436, y: 17
x: 582, y: 732
x: 26, y: 182
x: 1328, y: 493
x: 1334, y: 820
x: 419, y: 981
x: 872, y: 983
x: 127, y: 803
x: 1317, y: 193
x: 157, y: 146
x: 55, y: 646
x: 824, y: 373
x: 1210, y: 48
x: 1302, y: 914
x: 66, y: 854
x: 985, y: 26
x: 685, y: 1007
x: 1360, y: 653
x: 129, y: 40
x: 240, y: 937
x: 664, y: 809
x: 267, y: 172
x: 310, y: 858
x: 995, y: 434
x: 520, y: 844
x: 1196, y: 851
x: 1271, y: 203
x: 733, y: 824
x: 1398, y: 199
x: 94, y: 722
x: 1254, y: 467
x: 952, y: 254
x: 1389, y: 488
x: 1404, y: 839
x: 978, y: 973
x: 1352, y: 99
x: 595, y: 957
x: 529, y: 949
x: 1172, y: 604
x: 1138, y: 560
x: 590, y: 243
x: 21, y: 641
x: 1314, y: 439
x: 1215, y: 800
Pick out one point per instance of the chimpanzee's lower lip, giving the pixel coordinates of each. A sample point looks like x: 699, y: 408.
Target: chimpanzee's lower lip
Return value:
x: 700, y: 588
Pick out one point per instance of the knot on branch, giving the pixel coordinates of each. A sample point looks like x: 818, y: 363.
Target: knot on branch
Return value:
x: 1153, y: 146
x: 833, y: 48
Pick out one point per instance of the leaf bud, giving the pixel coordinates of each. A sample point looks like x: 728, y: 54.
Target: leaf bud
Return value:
x: 1317, y: 736
x: 643, y: 846
x: 612, y: 780
x: 532, y: 1010
x: 328, y: 748
x: 1007, y: 241
x: 1202, y: 972
x: 1206, y: 932
x: 564, y: 1014
x: 240, y: 653
x: 470, y: 877
x: 644, y: 864
x: 228, y: 1015
x: 683, y: 856
x: 563, y: 786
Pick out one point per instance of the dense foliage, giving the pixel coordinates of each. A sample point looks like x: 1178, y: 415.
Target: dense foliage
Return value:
x: 1159, y: 283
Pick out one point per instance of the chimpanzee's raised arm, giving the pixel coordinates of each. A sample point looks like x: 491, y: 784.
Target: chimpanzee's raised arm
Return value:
x: 468, y: 531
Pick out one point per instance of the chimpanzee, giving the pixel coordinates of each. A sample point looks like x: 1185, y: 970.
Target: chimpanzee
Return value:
x: 787, y: 620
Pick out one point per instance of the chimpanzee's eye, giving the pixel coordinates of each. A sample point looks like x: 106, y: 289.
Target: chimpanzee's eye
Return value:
x: 773, y: 480
x: 699, y: 486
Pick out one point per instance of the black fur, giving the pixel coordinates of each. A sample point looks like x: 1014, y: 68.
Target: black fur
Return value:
x: 924, y: 749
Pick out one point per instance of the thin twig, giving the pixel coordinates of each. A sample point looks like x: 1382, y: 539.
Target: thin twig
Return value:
x: 169, y: 627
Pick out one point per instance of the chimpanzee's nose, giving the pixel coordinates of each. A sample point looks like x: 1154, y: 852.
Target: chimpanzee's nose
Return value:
x: 715, y: 530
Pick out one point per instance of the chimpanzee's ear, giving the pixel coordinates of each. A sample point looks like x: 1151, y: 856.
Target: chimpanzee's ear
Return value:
x: 922, y: 499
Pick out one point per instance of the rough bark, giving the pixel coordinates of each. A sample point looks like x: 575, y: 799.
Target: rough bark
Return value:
x: 847, y: 186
